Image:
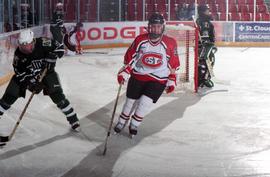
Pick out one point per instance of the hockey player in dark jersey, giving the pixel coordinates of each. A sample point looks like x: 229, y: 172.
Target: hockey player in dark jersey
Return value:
x: 206, y: 46
x: 31, y: 57
x: 57, y: 22
x: 150, y: 62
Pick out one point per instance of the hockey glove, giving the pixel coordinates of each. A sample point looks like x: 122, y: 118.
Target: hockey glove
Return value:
x: 59, y: 22
x: 171, y: 83
x: 35, y: 86
x: 123, y: 74
x: 50, y: 61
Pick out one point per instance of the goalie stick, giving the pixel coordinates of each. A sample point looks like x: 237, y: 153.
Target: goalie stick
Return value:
x: 4, y: 139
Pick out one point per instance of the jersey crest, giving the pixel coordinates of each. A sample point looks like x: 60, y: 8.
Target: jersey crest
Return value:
x: 152, y: 60
x: 46, y: 42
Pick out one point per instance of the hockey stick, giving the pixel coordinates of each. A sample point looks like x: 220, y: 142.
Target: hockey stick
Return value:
x: 4, y: 139
x: 110, y: 126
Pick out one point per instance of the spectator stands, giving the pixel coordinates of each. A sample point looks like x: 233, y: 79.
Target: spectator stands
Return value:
x: 132, y: 10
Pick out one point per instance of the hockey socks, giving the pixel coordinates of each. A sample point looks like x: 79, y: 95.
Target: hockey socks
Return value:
x: 68, y: 110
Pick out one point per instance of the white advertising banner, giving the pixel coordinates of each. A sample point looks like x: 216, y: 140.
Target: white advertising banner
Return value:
x: 111, y: 32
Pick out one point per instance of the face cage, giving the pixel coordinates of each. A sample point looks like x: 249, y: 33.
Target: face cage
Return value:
x: 154, y: 35
x: 27, y: 48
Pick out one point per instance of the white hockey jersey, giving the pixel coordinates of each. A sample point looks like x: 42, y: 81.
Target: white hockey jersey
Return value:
x: 152, y: 62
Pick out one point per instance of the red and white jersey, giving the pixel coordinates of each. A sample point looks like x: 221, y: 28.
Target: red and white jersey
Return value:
x: 152, y: 62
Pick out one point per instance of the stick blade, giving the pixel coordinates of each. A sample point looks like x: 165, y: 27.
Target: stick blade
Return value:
x: 104, y: 152
x: 4, y: 138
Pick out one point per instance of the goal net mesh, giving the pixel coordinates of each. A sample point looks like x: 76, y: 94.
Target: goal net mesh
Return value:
x: 187, y: 42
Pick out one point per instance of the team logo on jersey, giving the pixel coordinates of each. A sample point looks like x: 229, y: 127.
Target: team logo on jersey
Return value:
x: 46, y: 42
x: 152, y: 60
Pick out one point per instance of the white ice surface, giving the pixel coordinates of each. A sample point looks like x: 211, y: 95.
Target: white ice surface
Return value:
x: 224, y: 131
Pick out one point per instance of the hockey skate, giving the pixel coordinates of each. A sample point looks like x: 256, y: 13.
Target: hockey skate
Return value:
x: 133, y: 130
x: 76, y: 126
x: 119, y: 127
x: 208, y: 83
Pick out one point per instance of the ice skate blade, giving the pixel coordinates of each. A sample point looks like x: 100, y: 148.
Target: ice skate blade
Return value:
x: 116, y: 133
x: 76, y: 130
x: 131, y: 136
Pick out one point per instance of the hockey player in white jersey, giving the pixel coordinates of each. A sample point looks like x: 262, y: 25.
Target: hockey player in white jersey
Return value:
x: 72, y: 39
x: 149, y: 67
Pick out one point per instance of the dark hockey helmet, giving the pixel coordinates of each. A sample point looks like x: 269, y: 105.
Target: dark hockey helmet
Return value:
x: 154, y: 21
x: 202, y: 9
x: 79, y: 24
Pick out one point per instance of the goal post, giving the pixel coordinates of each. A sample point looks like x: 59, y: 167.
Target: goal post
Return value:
x: 187, y: 41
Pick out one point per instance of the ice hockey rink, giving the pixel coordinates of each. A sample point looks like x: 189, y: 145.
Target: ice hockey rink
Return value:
x: 224, y: 131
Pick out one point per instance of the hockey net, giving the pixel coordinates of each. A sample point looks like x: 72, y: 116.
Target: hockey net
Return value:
x: 187, y: 42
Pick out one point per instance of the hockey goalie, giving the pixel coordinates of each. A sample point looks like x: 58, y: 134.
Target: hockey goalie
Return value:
x: 207, y: 47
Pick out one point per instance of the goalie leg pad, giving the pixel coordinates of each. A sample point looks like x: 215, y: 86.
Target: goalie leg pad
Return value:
x: 202, y: 72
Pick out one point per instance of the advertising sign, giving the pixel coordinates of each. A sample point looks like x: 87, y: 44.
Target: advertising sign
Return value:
x: 252, y: 32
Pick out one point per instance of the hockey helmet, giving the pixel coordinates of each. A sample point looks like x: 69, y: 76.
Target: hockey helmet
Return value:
x: 202, y: 9
x: 79, y: 24
x: 156, y: 25
x: 59, y: 6
x: 26, y: 41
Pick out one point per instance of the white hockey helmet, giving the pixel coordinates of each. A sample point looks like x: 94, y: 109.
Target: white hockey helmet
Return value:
x: 26, y: 37
x: 59, y: 4
x: 26, y: 41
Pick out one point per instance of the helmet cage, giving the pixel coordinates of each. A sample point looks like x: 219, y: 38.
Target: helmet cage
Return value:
x: 154, y: 35
x: 156, y: 18
x: 26, y: 41
x: 26, y: 48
